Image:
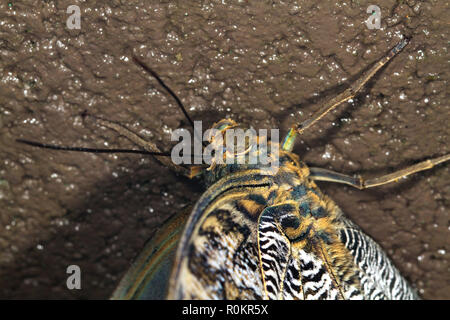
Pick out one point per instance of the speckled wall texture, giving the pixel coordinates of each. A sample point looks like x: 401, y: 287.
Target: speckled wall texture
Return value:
x: 265, y: 63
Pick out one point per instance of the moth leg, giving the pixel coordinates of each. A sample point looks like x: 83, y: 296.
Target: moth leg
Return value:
x: 353, y: 90
x: 147, y: 145
x: 319, y: 174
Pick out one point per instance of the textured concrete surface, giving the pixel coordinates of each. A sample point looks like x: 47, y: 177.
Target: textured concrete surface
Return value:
x: 264, y: 63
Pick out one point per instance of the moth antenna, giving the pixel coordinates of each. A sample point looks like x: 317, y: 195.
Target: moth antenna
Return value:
x: 178, y: 101
x: 91, y: 150
x: 155, y: 75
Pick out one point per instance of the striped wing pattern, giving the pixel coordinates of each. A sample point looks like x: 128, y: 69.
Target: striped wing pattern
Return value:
x: 292, y: 287
x: 318, y: 283
x: 379, y: 278
x: 274, y: 254
x: 252, y: 239
x: 289, y: 272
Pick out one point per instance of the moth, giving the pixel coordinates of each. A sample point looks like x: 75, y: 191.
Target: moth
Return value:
x: 257, y: 233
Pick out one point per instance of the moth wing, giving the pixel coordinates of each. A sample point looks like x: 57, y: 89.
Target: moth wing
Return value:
x: 378, y: 276
x: 218, y: 254
x: 149, y: 274
x: 274, y: 250
x: 293, y: 269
